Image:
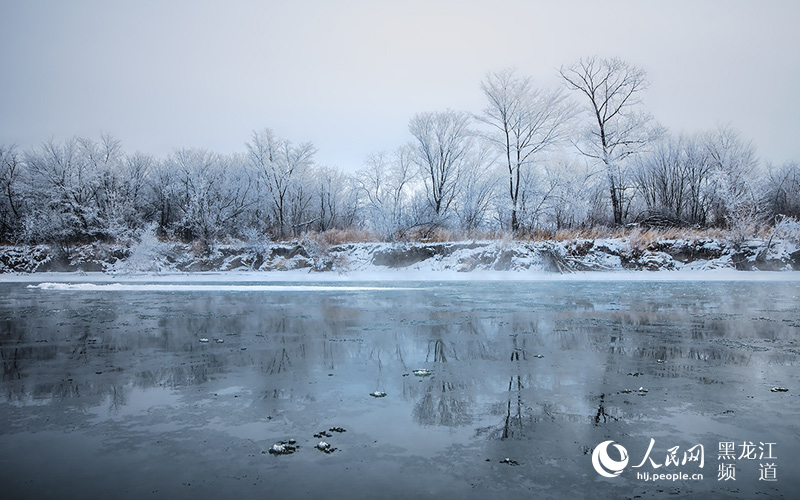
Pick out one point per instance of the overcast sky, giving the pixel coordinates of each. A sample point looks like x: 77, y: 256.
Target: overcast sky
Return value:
x: 348, y: 75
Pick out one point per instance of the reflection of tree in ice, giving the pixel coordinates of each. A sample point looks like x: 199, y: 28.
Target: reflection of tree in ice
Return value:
x: 514, y: 419
x: 118, y: 398
x: 520, y: 414
x: 292, y: 348
x: 182, y: 375
x: 602, y: 414
x: 376, y: 355
x: 80, y: 352
x: 11, y: 364
x: 280, y: 362
x: 439, y: 355
x: 444, y: 401
x: 442, y: 408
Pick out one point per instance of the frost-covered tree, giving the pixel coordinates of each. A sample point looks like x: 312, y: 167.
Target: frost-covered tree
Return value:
x: 735, y: 169
x: 282, y: 168
x: 115, y: 207
x: 83, y: 190
x: 62, y: 189
x: 133, y: 195
x: 523, y: 121
x: 335, y: 199
x: 11, y: 208
x: 384, y: 187
x: 300, y: 206
x: 674, y: 181
x: 163, y: 196
x: 212, y: 192
x: 478, y: 185
x: 442, y: 144
x: 575, y: 198
x: 618, y: 128
x: 703, y: 179
x: 781, y: 191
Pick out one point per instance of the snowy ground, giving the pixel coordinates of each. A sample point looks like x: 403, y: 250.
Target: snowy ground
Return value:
x: 309, y: 260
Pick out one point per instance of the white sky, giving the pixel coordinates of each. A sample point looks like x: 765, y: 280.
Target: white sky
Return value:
x: 348, y: 75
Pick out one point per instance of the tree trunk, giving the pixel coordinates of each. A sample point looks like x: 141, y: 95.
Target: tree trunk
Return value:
x: 616, y: 204
x: 514, y: 221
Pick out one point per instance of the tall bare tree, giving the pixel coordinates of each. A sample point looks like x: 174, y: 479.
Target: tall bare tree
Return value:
x: 443, y: 140
x: 618, y: 128
x: 523, y: 120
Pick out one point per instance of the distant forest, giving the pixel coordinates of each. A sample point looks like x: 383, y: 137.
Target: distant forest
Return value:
x: 585, y: 154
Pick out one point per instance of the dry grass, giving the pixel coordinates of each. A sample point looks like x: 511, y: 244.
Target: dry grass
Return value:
x: 330, y: 237
x: 638, y: 237
x: 449, y: 235
x: 647, y: 235
x: 341, y: 236
x: 571, y: 234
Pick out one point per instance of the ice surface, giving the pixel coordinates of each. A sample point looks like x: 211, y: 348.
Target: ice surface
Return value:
x: 102, y: 386
x: 197, y: 287
x: 289, y: 280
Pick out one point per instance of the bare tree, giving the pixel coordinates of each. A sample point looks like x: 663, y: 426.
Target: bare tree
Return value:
x: 300, y: 213
x: 281, y: 165
x: 523, y: 120
x: 618, y: 128
x: 573, y: 193
x: 384, y: 188
x: 113, y: 187
x: 709, y: 178
x: 781, y: 193
x: 443, y: 140
x: 477, y: 187
x: 137, y: 169
x: 675, y: 181
x: 10, y: 202
x: 163, y: 195
x: 333, y: 199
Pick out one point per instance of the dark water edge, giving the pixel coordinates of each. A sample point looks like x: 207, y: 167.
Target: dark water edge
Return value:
x: 112, y: 395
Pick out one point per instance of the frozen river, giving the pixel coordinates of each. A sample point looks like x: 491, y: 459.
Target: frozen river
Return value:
x: 180, y: 390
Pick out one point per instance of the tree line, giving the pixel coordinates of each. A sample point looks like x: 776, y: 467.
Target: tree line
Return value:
x: 535, y: 159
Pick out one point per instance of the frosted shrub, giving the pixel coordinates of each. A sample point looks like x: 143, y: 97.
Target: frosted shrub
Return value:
x: 256, y: 240
x: 787, y: 228
x: 146, y: 255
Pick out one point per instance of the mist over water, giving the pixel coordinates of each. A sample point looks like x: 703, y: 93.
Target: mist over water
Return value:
x: 114, y: 394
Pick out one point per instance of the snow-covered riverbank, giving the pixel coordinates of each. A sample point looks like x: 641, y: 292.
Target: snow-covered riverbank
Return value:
x: 468, y: 258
